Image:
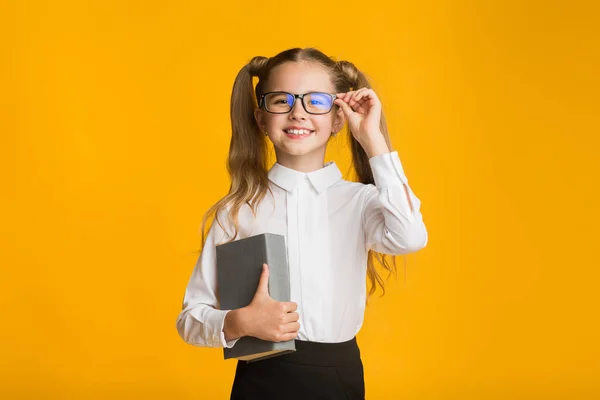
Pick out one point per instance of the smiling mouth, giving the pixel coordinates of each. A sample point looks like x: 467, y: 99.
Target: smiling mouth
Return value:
x: 298, y: 132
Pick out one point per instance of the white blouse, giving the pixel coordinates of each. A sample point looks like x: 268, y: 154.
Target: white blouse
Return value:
x: 329, y: 225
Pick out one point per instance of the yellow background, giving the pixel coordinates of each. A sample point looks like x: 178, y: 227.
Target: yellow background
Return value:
x: 114, y: 127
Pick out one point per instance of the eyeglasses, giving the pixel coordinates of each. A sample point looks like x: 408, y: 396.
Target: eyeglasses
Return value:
x: 283, y: 102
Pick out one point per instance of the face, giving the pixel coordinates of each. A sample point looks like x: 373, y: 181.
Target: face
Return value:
x: 299, y: 78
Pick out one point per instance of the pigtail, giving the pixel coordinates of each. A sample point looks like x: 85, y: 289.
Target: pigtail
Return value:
x: 247, y: 160
x: 245, y: 133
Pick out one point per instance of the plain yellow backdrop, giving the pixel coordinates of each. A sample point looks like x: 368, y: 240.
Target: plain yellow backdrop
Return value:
x: 114, y: 127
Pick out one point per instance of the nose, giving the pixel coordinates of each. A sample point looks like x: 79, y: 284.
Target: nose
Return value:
x: 297, y: 112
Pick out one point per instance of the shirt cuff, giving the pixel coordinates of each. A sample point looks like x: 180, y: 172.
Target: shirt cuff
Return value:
x: 214, y: 321
x: 224, y: 343
x: 387, y: 170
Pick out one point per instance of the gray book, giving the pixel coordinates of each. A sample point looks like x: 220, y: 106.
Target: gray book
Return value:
x: 239, y: 266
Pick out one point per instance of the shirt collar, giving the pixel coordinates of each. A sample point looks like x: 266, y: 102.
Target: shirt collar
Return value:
x: 321, y: 179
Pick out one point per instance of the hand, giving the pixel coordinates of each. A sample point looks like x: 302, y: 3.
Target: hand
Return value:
x: 362, y: 109
x: 269, y: 319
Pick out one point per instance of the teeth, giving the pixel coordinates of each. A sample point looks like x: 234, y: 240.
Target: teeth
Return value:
x: 298, y: 131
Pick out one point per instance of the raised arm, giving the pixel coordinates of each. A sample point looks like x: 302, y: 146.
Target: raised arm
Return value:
x: 391, y: 216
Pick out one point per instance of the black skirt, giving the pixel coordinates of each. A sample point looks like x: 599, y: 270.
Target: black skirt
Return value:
x: 323, y: 371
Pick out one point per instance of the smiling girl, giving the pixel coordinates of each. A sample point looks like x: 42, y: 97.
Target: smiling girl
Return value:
x: 334, y: 228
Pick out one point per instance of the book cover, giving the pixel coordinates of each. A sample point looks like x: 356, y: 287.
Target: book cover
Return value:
x: 239, y: 266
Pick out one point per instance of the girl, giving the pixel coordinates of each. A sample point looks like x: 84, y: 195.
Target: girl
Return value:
x: 334, y: 228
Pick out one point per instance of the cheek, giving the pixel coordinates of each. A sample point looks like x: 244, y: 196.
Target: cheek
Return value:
x: 323, y: 124
x: 273, y: 121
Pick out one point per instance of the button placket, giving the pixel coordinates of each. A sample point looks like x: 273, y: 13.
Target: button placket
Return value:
x: 302, y: 255
x: 294, y: 255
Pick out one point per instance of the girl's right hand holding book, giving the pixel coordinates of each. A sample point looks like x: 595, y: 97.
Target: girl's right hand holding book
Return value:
x: 263, y: 318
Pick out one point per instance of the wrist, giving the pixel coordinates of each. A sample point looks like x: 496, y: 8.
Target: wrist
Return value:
x: 234, y: 326
x: 374, y: 144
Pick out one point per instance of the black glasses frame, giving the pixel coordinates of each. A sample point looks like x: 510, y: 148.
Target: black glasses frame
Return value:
x: 263, y: 105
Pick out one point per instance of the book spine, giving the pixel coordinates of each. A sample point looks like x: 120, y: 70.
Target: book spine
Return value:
x: 276, y: 258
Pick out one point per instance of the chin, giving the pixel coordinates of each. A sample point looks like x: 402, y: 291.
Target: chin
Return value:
x: 300, y: 150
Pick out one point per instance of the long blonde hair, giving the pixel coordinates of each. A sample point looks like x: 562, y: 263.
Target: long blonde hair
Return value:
x: 247, y: 162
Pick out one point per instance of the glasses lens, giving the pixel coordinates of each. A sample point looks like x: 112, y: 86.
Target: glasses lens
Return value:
x: 318, y: 103
x: 279, y: 102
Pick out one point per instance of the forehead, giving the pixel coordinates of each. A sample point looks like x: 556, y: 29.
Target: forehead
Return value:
x: 299, y: 77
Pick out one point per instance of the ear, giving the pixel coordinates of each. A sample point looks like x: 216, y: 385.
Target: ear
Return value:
x: 338, y: 119
x: 260, y: 120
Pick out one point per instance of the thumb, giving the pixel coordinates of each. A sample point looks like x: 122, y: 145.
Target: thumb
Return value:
x: 263, y: 283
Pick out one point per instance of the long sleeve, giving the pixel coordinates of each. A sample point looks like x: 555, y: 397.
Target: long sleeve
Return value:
x: 200, y: 322
x: 389, y: 224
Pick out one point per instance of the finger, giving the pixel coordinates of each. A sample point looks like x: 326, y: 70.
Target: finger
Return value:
x: 263, y: 283
x: 291, y: 317
x: 362, y: 101
x: 361, y: 107
x: 356, y: 95
x: 373, y: 98
x: 357, y: 91
x: 352, y: 93
x: 350, y: 98
x: 358, y: 104
x: 365, y: 94
x: 290, y: 306
x: 345, y: 107
x: 355, y: 103
x: 288, y: 336
x: 369, y: 99
x: 291, y: 327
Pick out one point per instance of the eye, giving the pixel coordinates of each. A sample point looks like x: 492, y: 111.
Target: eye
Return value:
x: 319, y: 100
